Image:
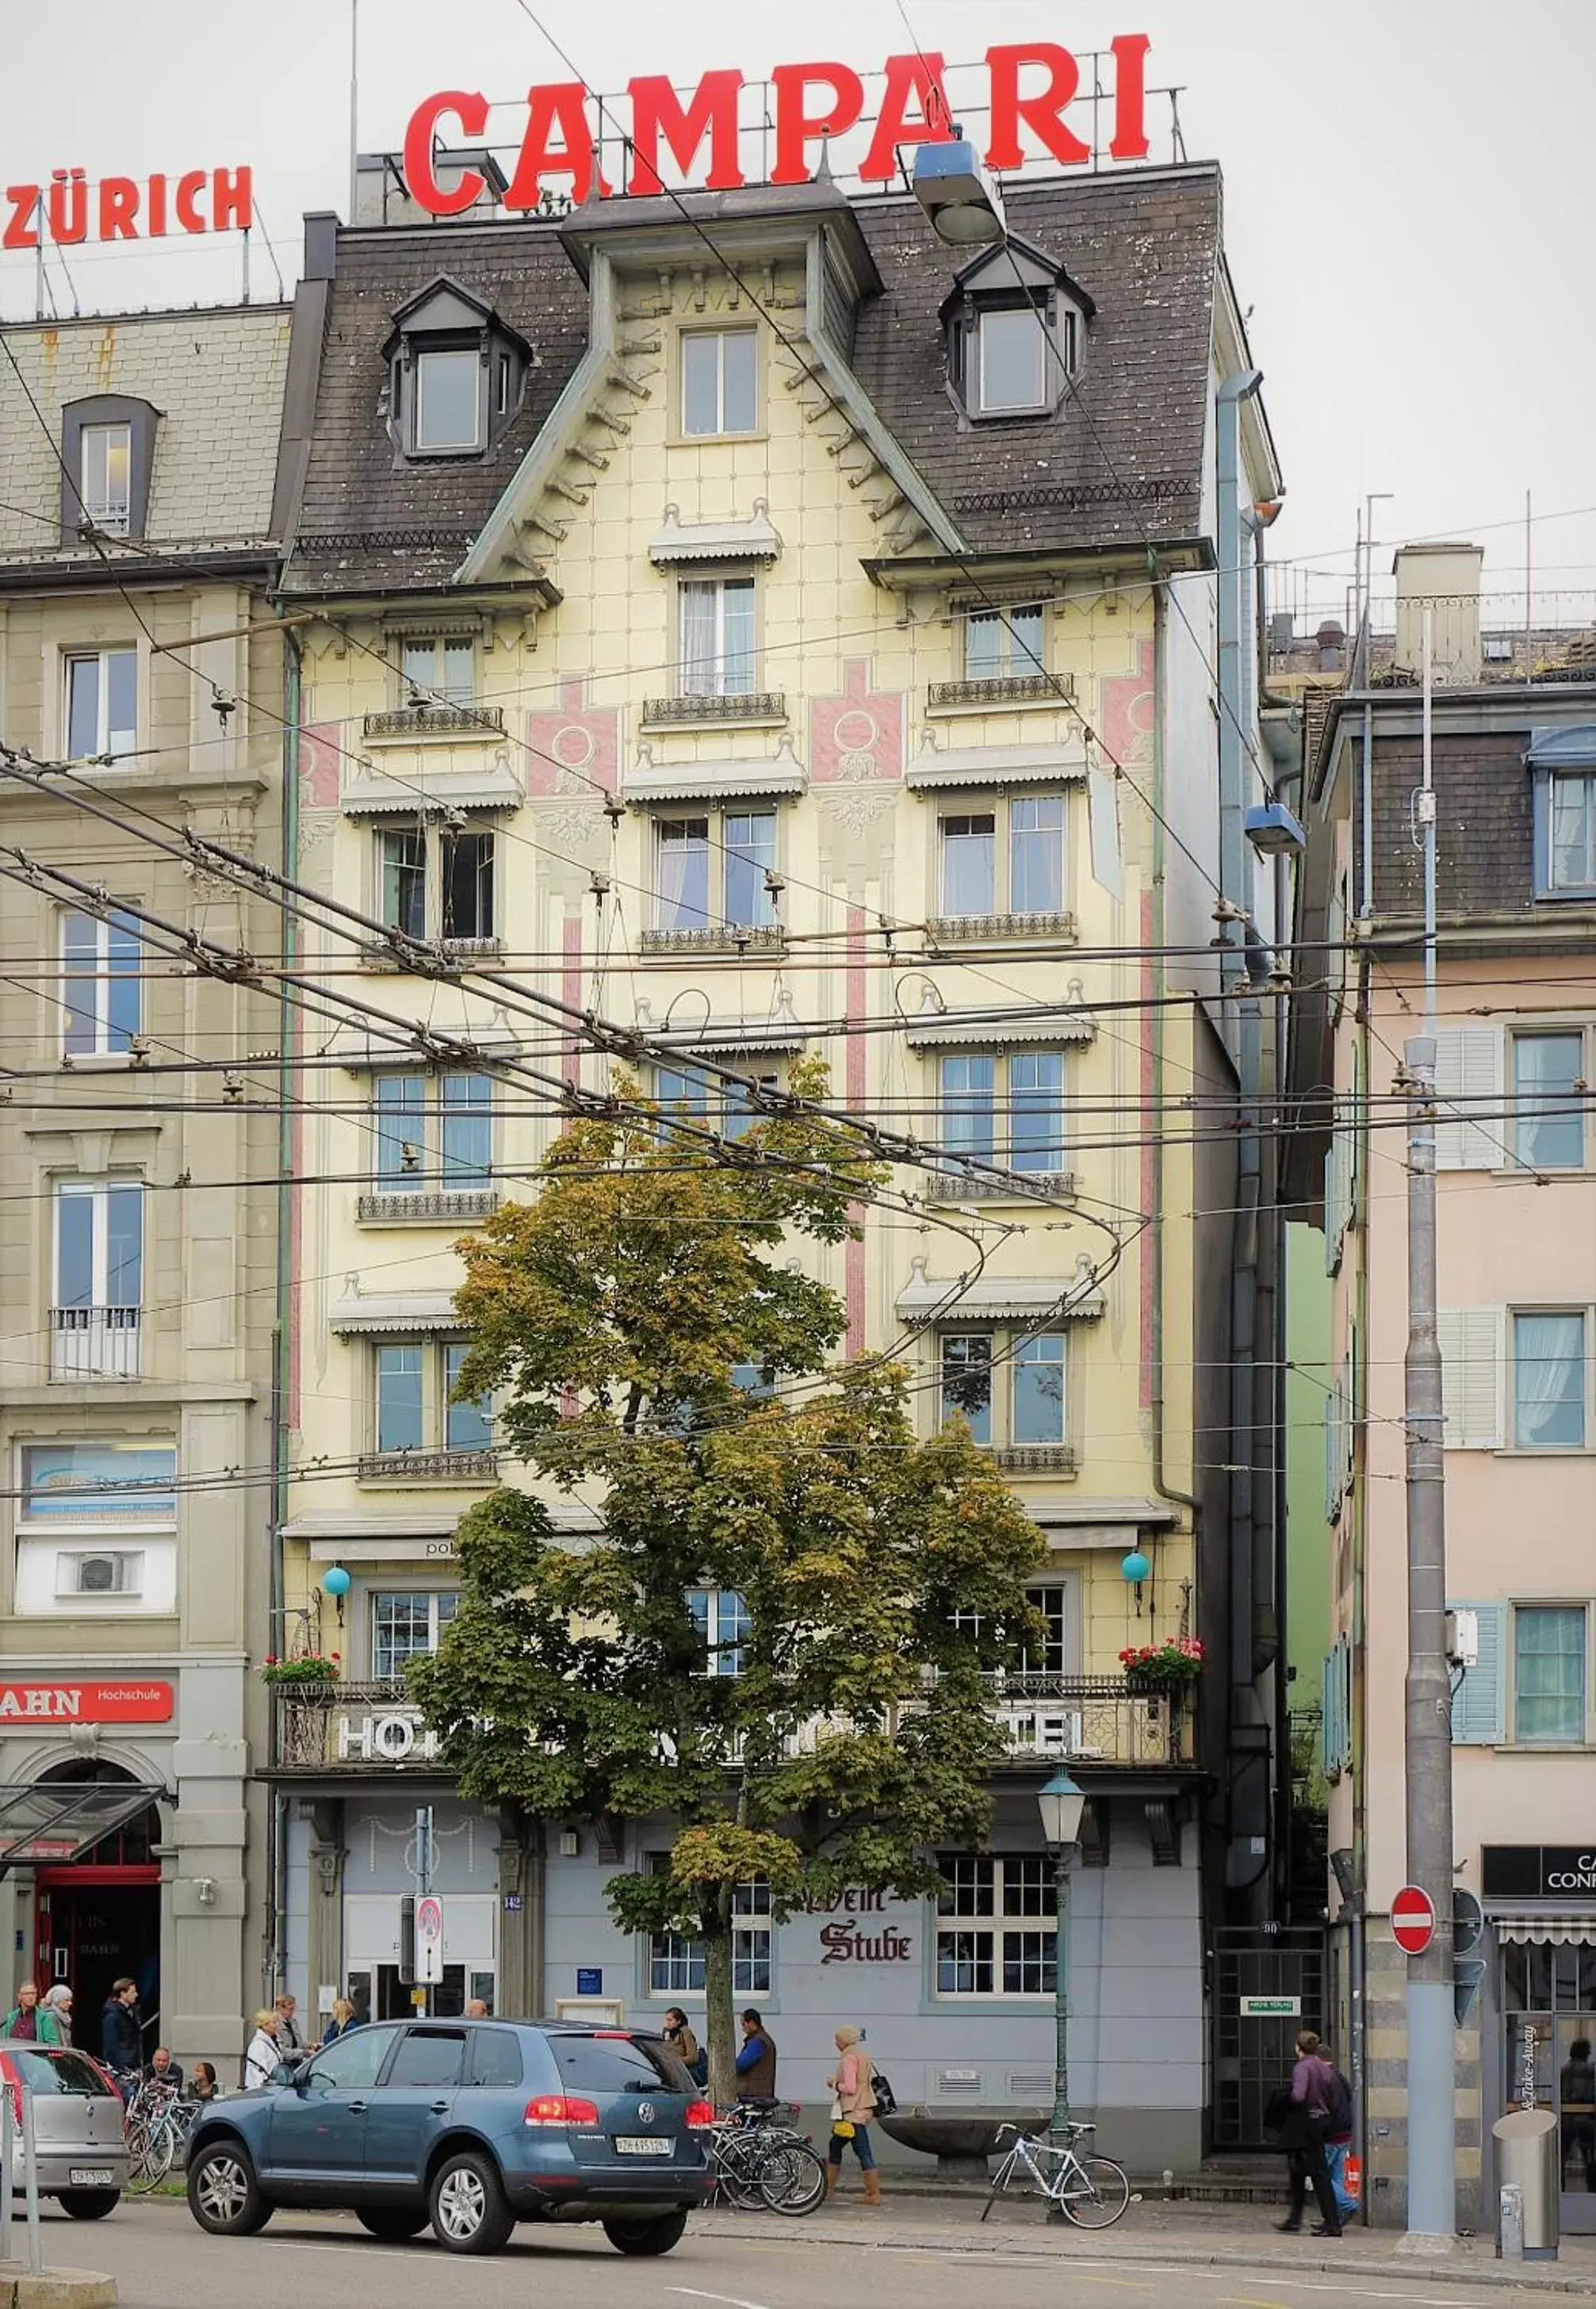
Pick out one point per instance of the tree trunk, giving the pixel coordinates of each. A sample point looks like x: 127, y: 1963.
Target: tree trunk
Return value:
x: 719, y: 2019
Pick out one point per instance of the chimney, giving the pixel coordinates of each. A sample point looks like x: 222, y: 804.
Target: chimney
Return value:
x: 1331, y: 643
x: 1447, y: 577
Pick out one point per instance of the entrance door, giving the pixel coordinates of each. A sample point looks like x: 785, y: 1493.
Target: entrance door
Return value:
x: 94, y: 1926
x: 1551, y: 2016
x: 1266, y: 1986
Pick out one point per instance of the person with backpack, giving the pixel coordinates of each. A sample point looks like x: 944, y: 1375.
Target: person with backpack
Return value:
x: 1306, y: 2127
x: 1337, y: 2133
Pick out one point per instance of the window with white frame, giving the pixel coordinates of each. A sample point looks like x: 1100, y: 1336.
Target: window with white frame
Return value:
x: 102, y: 703
x: 676, y: 1959
x: 732, y: 1110
x: 436, y: 881
x: 406, y: 1624
x: 432, y: 1131
x: 1549, y: 1097
x: 720, y: 382
x: 1003, y: 644
x: 1015, y: 362
x: 96, y: 1527
x: 1551, y: 1378
x: 1006, y: 858
x: 715, y: 869
x: 101, y: 957
x: 721, y: 1618
x: 1009, y: 1387
x: 1550, y: 1652
x: 415, y: 1381
x: 106, y: 479
x: 995, y: 1926
x: 433, y: 667
x: 1053, y: 1607
x: 1004, y: 1107
x: 1571, y: 851
x: 448, y: 400
x: 717, y: 650
x: 99, y: 1252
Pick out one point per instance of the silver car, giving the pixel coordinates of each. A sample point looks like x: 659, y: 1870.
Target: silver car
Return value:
x: 77, y: 2128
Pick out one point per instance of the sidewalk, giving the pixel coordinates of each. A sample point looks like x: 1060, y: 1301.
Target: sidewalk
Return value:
x: 1213, y: 2236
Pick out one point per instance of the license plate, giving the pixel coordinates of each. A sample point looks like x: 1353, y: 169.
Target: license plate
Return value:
x: 92, y: 2176
x: 641, y: 2144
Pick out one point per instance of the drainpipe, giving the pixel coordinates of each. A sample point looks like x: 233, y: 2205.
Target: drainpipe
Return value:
x: 282, y: 1328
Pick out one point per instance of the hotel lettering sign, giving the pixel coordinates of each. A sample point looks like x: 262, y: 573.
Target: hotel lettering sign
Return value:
x: 381, y: 1735
x: 1031, y: 86
x: 70, y: 208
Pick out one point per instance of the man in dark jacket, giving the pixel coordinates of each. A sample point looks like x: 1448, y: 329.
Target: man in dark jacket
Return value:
x: 755, y: 2060
x: 121, y: 2032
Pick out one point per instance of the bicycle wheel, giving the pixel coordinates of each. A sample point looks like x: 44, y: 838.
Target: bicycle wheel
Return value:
x: 140, y: 2173
x: 1096, y: 2194
x: 736, y: 2176
x: 793, y: 2180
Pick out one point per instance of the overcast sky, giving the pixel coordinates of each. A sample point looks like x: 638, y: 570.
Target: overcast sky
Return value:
x: 1410, y: 192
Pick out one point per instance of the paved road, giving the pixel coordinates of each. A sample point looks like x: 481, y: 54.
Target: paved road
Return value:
x: 162, y: 2261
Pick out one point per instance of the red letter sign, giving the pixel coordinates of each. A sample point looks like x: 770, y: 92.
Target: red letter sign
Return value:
x: 1042, y: 113
x: 656, y: 111
x: 795, y: 129
x: 907, y: 77
x: 1130, y: 97
x: 424, y: 188
x: 561, y: 107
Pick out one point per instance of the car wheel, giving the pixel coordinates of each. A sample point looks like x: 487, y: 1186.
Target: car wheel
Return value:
x: 223, y: 2194
x: 468, y: 2208
x: 89, y: 2204
x: 393, y: 2223
x: 657, y: 2235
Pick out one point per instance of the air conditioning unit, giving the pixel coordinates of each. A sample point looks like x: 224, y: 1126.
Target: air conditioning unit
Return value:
x: 100, y: 1575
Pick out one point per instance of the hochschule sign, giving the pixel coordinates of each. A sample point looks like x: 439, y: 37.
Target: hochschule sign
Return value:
x: 1031, y: 86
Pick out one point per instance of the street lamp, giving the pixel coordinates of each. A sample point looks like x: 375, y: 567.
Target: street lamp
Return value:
x: 964, y: 205
x: 1061, y: 1804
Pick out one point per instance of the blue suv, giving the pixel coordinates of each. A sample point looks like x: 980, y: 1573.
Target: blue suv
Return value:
x: 471, y: 2125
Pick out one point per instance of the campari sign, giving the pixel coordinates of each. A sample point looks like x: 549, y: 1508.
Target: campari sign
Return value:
x: 1037, y: 102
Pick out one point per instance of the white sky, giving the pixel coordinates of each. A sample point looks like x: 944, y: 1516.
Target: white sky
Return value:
x: 1410, y: 191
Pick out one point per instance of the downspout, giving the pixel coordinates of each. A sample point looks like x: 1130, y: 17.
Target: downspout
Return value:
x: 282, y: 1325
x: 1160, y: 978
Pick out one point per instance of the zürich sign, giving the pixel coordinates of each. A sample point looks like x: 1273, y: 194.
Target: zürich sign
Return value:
x: 1031, y: 83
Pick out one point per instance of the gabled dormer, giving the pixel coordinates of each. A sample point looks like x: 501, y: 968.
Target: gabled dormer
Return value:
x: 456, y: 372
x: 1015, y: 325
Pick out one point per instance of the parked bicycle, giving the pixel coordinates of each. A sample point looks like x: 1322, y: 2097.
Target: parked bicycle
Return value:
x: 156, y: 2124
x: 761, y: 2163
x: 1089, y: 2190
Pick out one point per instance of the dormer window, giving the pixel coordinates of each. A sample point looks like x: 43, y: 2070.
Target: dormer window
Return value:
x: 107, y: 459
x: 456, y: 374
x: 1014, y: 323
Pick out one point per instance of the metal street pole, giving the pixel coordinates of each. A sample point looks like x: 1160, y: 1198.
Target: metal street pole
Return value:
x: 424, y: 1881
x: 1432, y: 2129
x: 1062, y: 1856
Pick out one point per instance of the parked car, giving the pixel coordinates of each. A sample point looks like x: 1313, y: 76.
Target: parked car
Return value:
x: 471, y: 2125
x: 78, y: 2143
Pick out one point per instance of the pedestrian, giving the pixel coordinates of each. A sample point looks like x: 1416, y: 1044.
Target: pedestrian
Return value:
x: 202, y: 2085
x: 476, y: 2008
x: 853, y: 2105
x: 1305, y: 2128
x: 122, y: 2030
x: 755, y: 2060
x: 1576, y: 2095
x: 30, y: 2022
x: 262, y: 2058
x: 290, y: 2037
x: 59, y: 2001
x: 165, y: 2074
x: 344, y: 2019
x: 678, y: 2034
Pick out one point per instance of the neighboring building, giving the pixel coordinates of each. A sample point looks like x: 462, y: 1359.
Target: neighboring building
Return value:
x: 1514, y: 771
x: 648, y: 655
x: 138, y: 1147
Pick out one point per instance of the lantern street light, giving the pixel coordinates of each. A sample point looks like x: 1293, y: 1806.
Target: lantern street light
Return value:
x: 1061, y: 1804
x: 964, y: 205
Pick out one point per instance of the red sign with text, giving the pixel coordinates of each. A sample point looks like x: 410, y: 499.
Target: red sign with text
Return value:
x: 69, y: 209
x: 131, y: 1700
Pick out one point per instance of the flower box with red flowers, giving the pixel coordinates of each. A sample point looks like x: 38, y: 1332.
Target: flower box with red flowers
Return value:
x: 1171, y: 1667
x: 306, y: 1667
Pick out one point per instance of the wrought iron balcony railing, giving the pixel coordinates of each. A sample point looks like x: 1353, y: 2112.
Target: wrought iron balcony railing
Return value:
x: 429, y: 1467
x: 988, y: 930
x: 437, y: 720
x: 427, y: 1207
x: 718, y: 937
x: 999, y: 690
x: 736, y: 705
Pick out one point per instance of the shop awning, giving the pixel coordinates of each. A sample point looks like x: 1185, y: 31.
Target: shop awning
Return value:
x: 46, y: 1823
x: 1560, y: 1931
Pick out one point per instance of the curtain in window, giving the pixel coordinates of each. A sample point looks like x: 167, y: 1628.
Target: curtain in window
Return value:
x: 1548, y: 1121
x: 700, y: 598
x: 1549, y: 1381
x: 1574, y: 823
x: 684, y: 873
x: 1549, y: 1675
x: 749, y: 840
x: 969, y: 864
x: 1036, y: 854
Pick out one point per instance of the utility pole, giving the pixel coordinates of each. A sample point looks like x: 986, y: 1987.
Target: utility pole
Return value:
x: 1432, y: 2130
x: 424, y: 1882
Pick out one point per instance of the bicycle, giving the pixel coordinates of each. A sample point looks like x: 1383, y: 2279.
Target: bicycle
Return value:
x: 155, y: 2126
x: 1091, y: 2191
x: 759, y: 2163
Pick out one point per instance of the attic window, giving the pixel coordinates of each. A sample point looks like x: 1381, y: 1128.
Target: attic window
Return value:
x: 1014, y: 323
x: 107, y: 457
x: 457, y: 374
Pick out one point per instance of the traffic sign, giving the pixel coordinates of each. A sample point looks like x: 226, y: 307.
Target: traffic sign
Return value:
x: 1412, y: 1920
x: 429, y: 1940
x: 1468, y: 1922
x: 1468, y: 1972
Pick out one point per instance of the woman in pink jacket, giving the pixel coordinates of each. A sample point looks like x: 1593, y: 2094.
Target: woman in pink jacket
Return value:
x: 853, y: 2105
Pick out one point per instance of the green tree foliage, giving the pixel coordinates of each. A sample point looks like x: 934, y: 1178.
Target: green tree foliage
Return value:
x: 848, y: 1735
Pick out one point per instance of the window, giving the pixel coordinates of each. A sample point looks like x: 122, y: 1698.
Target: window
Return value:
x: 1549, y: 1674
x: 1007, y: 859
x: 430, y: 670
x: 448, y: 400
x: 1008, y: 1385
x: 717, y: 637
x: 406, y: 1626
x: 354, y: 2061
x: 100, y: 956
x: 1014, y: 321
x: 437, y: 882
x: 718, y: 380
x: 710, y: 871
x: 967, y: 1381
x: 1013, y: 358
x: 1549, y: 1381
x: 105, y: 475
x: 1572, y: 846
x: 1025, y: 1131
x: 1548, y: 1079
x: 495, y: 2057
x: 676, y: 1959
x: 614, y: 2061
x: 999, y: 643
x: 995, y: 1933
x: 98, y: 1278
x: 415, y: 1378
x: 433, y: 1130
x: 721, y: 1618
x: 428, y: 2057
x: 1038, y: 1388
x: 102, y: 703
x: 97, y: 1525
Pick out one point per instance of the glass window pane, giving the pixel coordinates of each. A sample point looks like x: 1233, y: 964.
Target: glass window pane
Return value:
x: 467, y: 885
x: 679, y: 1087
x: 79, y: 947
x: 700, y: 601
x: 466, y: 1425
x: 1014, y: 360
x: 967, y: 1381
x: 1036, y: 854
x: 124, y: 992
x: 1549, y: 1381
x: 125, y: 1251
x: 742, y: 1114
x: 984, y: 645
x: 447, y: 387
x: 964, y: 1963
x: 1052, y: 1604
x: 969, y: 1081
x: 1023, y: 633
x: 417, y: 664
x: 401, y: 1629
x: 1038, y: 1389
x: 74, y: 1247
x: 121, y: 694
x: 736, y: 667
x: 969, y: 858
x: 701, y: 380
x: 1029, y: 1964
x: 403, y: 856
x: 1548, y: 1117
x: 737, y: 398
x: 749, y: 842
x: 1035, y: 1110
x: 401, y: 1157
x: 399, y: 1397
x: 1574, y: 826
x: 98, y: 1483
x: 1549, y: 1673
x: 460, y: 672
x: 82, y: 706
x: 684, y: 873
x: 468, y: 1130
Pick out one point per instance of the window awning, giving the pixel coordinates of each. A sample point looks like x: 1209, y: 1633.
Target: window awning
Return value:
x: 1017, y: 1299
x: 46, y: 1823
x: 381, y: 797
x: 995, y: 766
x: 395, y: 1310
x: 1559, y: 1932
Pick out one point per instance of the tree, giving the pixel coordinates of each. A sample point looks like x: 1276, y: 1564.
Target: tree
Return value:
x: 841, y: 1731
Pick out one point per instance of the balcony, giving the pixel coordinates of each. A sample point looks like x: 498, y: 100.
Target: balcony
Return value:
x: 435, y: 720
x: 91, y: 1342
x: 1039, y: 1185
x: 1091, y: 1719
x: 350, y: 1727
x: 998, y: 690
x: 999, y: 930
x: 427, y: 1207
x: 473, y: 1467
x: 761, y: 939
x: 742, y: 708
x: 1035, y: 1458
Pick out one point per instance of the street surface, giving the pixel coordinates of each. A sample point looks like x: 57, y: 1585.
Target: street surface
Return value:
x: 161, y: 2261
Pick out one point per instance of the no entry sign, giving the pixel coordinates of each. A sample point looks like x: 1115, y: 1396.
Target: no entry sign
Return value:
x: 1412, y: 1920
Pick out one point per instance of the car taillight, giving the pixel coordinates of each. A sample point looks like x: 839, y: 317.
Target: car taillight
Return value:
x: 700, y: 2115
x: 561, y: 2108
x: 13, y: 2086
